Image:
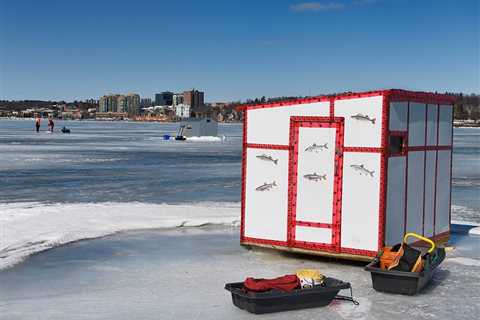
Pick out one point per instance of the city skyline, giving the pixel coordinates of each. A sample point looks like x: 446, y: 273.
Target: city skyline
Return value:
x: 56, y: 50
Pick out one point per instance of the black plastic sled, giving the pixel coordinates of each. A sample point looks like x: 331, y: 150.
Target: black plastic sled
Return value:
x: 276, y: 300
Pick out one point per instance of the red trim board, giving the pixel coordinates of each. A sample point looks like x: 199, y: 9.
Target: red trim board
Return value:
x: 267, y: 146
x: 313, y: 224
x: 424, y: 168
x: 406, y: 175
x: 383, y: 173
x: 451, y: 175
x: 392, y: 94
x: 244, y: 176
x: 265, y: 241
x: 315, y: 122
x: 436, y: 169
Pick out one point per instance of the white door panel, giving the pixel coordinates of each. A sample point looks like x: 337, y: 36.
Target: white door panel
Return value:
x: 315, y: 174
x: 429, y: 193
x: 398, y: 116
x: 415, y: 192
x: 432, y: 115
x: 360, y: 200
x: 394, y: 228
x: 442, y: 218
x: 416, y: 126
x: 266, y: 211
x: 315, y: 235
x: 363, y: 121
x: 270, y: 125
x: 445, y: 129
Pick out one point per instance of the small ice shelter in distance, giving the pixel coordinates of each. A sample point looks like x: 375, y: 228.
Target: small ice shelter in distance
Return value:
x: 345, y: 175
x: 198, y: 127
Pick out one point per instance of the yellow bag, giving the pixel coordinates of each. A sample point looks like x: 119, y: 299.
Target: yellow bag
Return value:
x: 310, y: 278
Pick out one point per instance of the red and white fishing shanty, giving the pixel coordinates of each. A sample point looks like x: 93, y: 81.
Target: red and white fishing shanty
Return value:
x: 345, y: 175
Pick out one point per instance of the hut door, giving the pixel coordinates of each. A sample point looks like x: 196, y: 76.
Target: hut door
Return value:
x: 316, y: 159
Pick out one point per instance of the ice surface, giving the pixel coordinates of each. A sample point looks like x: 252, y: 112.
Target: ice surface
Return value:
x: 475, y: 231
x: 466, y: 261
x: 27, y: 228
x: 118, y: 162
x: 129, y: 161
x: 180, y: 274
x: 206, y: 138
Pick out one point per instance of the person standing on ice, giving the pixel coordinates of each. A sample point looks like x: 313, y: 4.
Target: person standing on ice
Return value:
x: 50, y: 124
x: 37, y: 123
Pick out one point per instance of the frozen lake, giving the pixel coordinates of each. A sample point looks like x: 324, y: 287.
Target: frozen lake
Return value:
x: 180, y: 274
x: 116, y: 162
x: 106, y: 177
x: 127, y: 161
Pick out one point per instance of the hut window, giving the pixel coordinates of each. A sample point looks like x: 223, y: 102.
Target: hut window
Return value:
x: 397, y: 144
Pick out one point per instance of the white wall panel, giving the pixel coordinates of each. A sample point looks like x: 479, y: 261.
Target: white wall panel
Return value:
x: 395, y: 200
x: 415, y: 192
x: 266, y: 211
x: 398, y: 116
x: 429, y: 193
x: 317, y: 235
x: 360, y: 201
x: 445, y: 130
x: 416, y: 129
x: 432, y: 124
x: 271, y: 125
x: 315, y: 198
x: 442, y: 221
x: 361, y: 133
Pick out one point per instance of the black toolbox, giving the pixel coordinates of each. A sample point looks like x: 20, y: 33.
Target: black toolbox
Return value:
x: 275, y: 300
x: 401, y: 282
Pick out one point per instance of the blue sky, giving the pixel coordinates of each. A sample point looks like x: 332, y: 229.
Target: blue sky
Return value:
x: 236, y: 49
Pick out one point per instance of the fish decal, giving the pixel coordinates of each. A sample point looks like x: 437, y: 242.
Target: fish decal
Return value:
x: 314, y: 147
x: 315, y: 177
x: 361, y: 168
x: 363, y: 117
x: 266, y: 186
x: 264, y: 157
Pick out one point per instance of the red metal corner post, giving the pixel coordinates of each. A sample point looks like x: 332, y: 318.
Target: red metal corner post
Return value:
x: 382, y: 219
x: 244, y: 175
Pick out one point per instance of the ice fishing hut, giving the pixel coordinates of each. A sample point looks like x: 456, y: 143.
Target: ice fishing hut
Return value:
x: 200, y: 127
x: 345, y: 175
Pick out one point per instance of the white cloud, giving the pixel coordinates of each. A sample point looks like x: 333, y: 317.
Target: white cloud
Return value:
x: 328, y: 6
x: 317, y: 6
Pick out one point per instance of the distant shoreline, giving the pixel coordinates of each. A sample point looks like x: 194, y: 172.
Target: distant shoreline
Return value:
x: 456, y: 123
x: 106, y: 120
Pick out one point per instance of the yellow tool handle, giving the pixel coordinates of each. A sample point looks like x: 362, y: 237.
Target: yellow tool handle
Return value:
x: 411, y: 234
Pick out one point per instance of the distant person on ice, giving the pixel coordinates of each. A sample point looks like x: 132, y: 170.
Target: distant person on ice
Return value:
x: 37, y: 123
x: 50, y: 124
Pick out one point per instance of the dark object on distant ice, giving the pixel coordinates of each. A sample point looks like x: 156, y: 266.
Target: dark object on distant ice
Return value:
x: 166, y: 137
x: 65, y: 130
x: 275, y: 300
x: 181, y: 138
